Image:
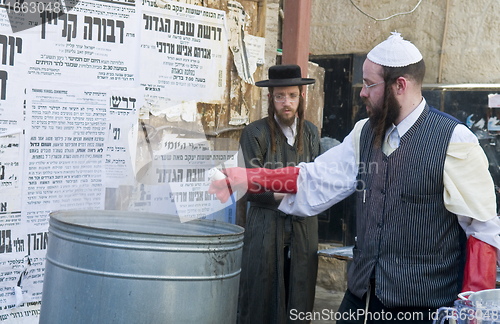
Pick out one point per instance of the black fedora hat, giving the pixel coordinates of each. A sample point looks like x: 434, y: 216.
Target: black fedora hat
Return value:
x: 284, y: 76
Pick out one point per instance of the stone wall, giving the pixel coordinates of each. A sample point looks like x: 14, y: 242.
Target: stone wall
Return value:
x: 470, y: 31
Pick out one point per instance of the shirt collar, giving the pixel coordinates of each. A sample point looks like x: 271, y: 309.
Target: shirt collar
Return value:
x: 408, y: 122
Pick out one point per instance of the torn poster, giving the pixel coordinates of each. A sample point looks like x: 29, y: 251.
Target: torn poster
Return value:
x: 176, y: 179
x: 248, y: 50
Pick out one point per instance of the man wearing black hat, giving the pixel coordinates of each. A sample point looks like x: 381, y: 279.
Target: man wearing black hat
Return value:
x: 279, y: 263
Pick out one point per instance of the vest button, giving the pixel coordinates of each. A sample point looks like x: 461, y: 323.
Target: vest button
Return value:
x: 379, y: 225
x: 382, y: 191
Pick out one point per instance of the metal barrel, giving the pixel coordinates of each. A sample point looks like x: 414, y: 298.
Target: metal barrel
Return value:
x: 132, y: 267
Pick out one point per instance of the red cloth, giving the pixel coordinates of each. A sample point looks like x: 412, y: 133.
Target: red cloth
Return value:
x: 255, y: 180
x: 480, y: 269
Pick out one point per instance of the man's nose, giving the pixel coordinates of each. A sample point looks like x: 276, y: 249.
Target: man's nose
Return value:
x: 363, y: 93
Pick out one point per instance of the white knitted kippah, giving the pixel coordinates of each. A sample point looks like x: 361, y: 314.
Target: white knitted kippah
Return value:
x: 395, y: 52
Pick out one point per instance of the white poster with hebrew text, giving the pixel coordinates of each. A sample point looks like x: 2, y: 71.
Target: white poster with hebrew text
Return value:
x: 184, y: 52
x: 96, y: 42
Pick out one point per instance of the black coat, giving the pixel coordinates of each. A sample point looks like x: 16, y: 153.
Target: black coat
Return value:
x: 268, y: 230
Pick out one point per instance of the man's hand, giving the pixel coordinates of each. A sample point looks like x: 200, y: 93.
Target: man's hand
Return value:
x: 236, y: 179
x: 255, y: 180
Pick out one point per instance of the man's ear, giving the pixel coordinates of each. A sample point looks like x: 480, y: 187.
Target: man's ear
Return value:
x: 303, y: 95
x: 401, y: 85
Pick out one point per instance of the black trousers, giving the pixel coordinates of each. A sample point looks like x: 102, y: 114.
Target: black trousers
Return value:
x: 353, y: 310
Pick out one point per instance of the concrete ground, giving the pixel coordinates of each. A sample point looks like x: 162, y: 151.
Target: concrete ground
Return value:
x: 326, y: 304
x: 330, y: 288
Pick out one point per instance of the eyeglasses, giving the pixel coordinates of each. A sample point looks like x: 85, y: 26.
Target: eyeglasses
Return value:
x: 366, y: 86
x: 281, y: 98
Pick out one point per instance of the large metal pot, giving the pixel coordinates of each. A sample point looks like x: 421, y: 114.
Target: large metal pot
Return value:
x: 131, y: 267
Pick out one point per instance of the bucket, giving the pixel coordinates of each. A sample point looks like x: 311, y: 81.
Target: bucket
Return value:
x: 470, y: 312
x: 130, y: 267
x: 487, y: 295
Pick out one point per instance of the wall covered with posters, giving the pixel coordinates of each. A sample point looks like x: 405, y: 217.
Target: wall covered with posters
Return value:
x: 116, y: 105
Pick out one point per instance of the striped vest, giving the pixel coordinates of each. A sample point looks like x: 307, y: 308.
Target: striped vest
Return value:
x: 406, y: 238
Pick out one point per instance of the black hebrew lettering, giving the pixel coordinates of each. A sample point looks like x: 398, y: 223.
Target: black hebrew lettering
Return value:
x: 111, y: 37
x: 193, y: 11
x: 3, y: 77
x: 116, y: 100
x: 184, y: 50
x: 165, y: 47
x: 47, y: 17
x: 144, y: 195
x: 87, y: 29
x: 189, y: 29
x: 177, y: 27
x: 183, y: 28
x: 195, y: 175
x: 207, y: 32
x: 103, y: 21
x: 69, y: 30
x: 178, y: 196
x: 196, y: 196
x: 5, y: 241
x: 149, y: 21
x: 19, y: 245
x: 12, y: 44
x: 120, y: 24
x: 169, y: 175
x: 205, y: 53
x: 160, y: 24
x: 175, y: 145
x: 156, y: 20
x: 102, y: 27
x: 97, y: 22
x: 39, y: 241
x: 208, y: 196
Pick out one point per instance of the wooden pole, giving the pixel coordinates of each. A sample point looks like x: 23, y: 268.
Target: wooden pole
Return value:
x: 296, y: 26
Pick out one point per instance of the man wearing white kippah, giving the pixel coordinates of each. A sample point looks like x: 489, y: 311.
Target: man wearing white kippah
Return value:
x: 427, y: 226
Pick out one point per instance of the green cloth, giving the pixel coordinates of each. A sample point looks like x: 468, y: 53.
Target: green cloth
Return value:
x: 268, y: 230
